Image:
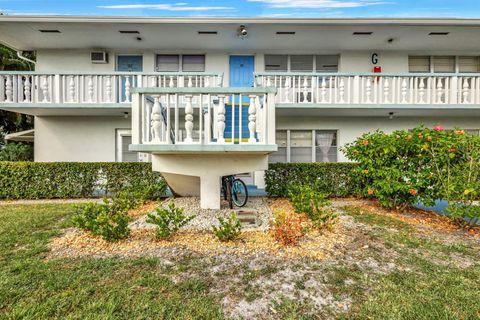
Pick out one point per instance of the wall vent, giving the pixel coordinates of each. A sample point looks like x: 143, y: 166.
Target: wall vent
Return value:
x: 49, y: 31
x: 207, y: 32
x: 438, y: 33
x: 285, y: 32
x: 99, y: 57
x: 362, y: 33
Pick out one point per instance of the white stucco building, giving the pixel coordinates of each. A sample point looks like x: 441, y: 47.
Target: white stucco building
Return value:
x: 299, y: 88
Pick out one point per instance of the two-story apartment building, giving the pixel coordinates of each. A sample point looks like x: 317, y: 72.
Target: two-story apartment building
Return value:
x: 211, y: 96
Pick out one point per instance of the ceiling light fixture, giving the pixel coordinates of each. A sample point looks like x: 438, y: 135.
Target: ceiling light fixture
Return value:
x: 390, y: 115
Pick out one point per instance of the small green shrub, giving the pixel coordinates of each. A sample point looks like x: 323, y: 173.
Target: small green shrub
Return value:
x: 229, y: 229
x: 108, y: 220
x: 464, y: 214
x: 168, y: 220
x: 312, y: 203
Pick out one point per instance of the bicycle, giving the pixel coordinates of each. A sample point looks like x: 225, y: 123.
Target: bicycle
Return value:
x: 234, y: 191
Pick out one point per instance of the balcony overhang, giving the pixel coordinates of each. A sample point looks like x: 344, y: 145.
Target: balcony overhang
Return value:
x: 68, y: 109
x: 365, y: 110
x: 189, y: 149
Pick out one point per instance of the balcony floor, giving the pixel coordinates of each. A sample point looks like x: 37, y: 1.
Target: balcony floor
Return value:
x: 204, y: 148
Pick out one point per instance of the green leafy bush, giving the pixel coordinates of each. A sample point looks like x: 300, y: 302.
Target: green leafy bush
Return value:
x: 331, y: 178
x: 420, y: 165
x: 229, y: 229
x: 40, y: 180
x: 16, y: 152
x: 168, y: 220
x: 108, y: 220
x: 307, y: 200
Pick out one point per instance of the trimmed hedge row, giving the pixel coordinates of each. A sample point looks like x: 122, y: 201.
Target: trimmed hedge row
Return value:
x: 42, y: 180
x: 332, y: 178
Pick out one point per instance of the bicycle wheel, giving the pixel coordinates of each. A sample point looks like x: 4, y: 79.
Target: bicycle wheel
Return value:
x: 239, y: 193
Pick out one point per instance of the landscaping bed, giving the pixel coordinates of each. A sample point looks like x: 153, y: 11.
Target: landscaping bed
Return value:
x: 373, y: 264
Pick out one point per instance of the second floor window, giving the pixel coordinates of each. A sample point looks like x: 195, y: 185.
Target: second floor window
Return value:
x: 180, y: 63
x: 301, y: 63
x: 443, y: 64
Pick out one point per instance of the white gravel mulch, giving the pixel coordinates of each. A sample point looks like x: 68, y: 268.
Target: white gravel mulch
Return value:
x: 206, y: 218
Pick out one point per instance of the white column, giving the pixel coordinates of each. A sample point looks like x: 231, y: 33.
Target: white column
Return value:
x: 221, y: 119
x: 210, y: 192
x: 188, y: 118
x: 252, y: 110
x: 404, y: 90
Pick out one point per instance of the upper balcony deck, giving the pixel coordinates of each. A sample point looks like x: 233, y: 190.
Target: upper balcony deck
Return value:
x: 30, y: 92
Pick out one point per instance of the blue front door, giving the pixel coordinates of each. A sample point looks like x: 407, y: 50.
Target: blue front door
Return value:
x: 128, y: 64
x: 241, y: 75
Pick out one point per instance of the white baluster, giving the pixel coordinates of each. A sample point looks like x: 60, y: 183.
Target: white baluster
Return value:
x: 44, y: 87
x: 127, y: 89
x: 9, y: 89
x: 71, y: 89
x: 27, y: 89
x: 269, y: 82
x: 206, y: 82
x: 323, y: 90
x: 305, y: 90
x: 90, y: 90
x: 386, y: 91
x: 156, y: 122
x: 404, y: 90
x: 108, y: 89
x: 221, y: 119
x: 190, y: 84
x: 188, y: 118
x: 341, y: 90
x: 170, y: 82
x: 252, y: 111
x: 288, y: 84
x: 439, y: 90
x: 368, y: 90
x: 465, y: 91
x: 421, y: 91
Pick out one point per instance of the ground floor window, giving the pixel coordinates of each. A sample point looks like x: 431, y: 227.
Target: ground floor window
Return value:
x: 475, y: 132
x: 123, y: 140
x: 305, y: 146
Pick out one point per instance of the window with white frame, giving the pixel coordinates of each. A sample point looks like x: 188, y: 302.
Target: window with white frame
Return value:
x: 180, y: 63
x: 301, y: 63
x: 444, y: 64
x: 475, y: 132
x: 123, y: 140
x: 305, y: 146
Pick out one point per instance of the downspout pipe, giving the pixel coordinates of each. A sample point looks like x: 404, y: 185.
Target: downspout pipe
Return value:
x: 19, y: 54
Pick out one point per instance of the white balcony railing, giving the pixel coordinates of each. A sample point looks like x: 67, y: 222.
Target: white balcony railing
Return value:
x: 328, y: 88
x: 34, y: 87
x: 203, y: 116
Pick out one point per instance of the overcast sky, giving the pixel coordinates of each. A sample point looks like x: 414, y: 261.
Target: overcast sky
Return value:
x: 247, y: 8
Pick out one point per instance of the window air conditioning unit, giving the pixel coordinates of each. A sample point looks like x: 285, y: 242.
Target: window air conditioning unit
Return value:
x: 99, y: 57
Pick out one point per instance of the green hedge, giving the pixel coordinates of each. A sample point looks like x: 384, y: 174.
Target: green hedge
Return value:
x: 42, y: 180
x: 332, y: 178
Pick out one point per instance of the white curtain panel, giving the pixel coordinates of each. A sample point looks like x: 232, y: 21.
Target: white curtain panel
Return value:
x: 324, y: 143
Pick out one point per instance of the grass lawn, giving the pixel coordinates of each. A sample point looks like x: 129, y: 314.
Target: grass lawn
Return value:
x: 391, y: 271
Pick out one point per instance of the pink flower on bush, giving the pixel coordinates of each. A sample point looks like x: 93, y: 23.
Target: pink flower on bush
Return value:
x: 438, y: 128
x: 460, y: 132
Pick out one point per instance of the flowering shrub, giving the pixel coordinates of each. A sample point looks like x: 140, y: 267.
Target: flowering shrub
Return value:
x: 288, y: 228
x: 405, y: 167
